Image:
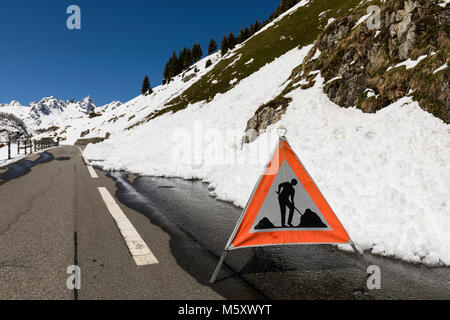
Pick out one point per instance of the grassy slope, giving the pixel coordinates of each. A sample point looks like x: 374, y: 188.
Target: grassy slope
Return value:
x: 299, y: 29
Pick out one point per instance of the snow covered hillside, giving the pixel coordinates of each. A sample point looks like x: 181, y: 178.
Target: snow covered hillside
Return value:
x: 388, y: 183
x: 386, y: 174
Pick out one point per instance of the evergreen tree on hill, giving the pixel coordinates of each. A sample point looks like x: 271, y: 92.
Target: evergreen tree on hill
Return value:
x: 166, y: 73
x: 145, y: 86
x: 231, y: 41
x: 241, y: 36
x: 173, y: 62
x: 247, y: 33
x: 188, y: 59
x: 212, y: 46
x: 197, y: 52
x: 224, y: 45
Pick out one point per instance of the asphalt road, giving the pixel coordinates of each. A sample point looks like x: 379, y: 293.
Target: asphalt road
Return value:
x: 52, y: 216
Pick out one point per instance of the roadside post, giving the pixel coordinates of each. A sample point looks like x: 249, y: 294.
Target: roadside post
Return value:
x: 9, y: 149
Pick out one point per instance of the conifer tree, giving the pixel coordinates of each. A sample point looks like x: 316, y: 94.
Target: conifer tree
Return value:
x: 224, y: 45
x: 145, y: 86
x: 187, y: 58
x: 173, y: 66
x: 212, y: 46
x: 197, y: 52
x: 247, y: 33
x: 241, y: 36
x: 231, y: 41
x: 180, y: 62
x: 166, y: 73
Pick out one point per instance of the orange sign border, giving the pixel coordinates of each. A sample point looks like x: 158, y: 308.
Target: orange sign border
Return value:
x: 243, y: 238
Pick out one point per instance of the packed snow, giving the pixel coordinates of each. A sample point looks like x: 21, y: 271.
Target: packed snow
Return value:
x: 388, y: 183
x: 441, y: 68
x: 409, y: 64
x: 362, y: 19
x: 330, y: 21
x: 444, y: 3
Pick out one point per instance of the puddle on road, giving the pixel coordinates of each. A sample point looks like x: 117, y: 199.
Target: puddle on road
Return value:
x: 200, y: 226
x: 22, y: 167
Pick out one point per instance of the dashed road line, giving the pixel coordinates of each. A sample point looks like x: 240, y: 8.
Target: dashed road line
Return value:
x: 92, y: 172
x: 139, y: 250
x: 88, y: 164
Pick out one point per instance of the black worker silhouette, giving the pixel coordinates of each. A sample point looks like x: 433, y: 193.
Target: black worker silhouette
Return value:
x: 286, y: 194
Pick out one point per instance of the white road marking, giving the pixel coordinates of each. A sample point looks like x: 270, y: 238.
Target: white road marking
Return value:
x: 92, y: 172
x: 138, y: 248
x: 88, y: 164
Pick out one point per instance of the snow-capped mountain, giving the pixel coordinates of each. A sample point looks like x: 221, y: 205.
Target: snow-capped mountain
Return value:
x: 52, y: 112
x: 108, y: 107
x: 13, y: 103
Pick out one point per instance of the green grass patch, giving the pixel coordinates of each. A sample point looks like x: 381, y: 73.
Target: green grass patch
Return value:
x: 298, y: 29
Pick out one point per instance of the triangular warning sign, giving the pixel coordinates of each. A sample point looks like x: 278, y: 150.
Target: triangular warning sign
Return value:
x: 287, y: 207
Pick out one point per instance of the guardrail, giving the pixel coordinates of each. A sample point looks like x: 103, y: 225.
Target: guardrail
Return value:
x: 28, y: 146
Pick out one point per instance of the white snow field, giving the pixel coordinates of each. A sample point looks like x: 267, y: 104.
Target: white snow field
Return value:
x: 386, y: 175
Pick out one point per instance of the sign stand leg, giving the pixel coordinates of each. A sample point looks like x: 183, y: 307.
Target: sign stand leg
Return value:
x: 360, y: 256
x: 219, y: 266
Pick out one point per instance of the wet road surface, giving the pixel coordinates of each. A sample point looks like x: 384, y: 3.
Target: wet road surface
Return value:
x: 22, y: 167
x: 52, y: 216
x: 200, y: 226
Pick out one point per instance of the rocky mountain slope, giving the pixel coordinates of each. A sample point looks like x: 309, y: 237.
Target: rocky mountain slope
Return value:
x: 370, y: 68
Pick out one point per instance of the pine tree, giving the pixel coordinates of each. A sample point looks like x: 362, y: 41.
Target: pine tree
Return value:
x: 180, y: 63
x: 187, y: 58
x: 166, y: 76
x: 145, y: 86
x: 173, y: 66
x: 212, y: 46
x: 247, y: 33
x: 241, y: 36
x: 257, y: 25
x: 224, y: 45
x: 197, y: 52
x: 231, y: 40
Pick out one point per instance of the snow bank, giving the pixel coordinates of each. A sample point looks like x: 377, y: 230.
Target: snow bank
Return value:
x: 387, y: 175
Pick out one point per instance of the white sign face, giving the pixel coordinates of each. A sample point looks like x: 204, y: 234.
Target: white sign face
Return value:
x: 288, y: 207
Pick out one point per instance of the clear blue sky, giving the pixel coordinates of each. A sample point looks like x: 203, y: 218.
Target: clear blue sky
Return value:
x: 120, y: 41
